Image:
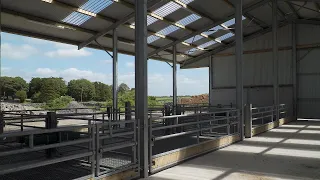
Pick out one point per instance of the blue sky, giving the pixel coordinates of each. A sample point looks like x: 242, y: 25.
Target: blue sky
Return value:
x: 29, y: 57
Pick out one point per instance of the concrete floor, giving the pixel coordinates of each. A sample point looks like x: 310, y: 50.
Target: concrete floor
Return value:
x: 291, y: 151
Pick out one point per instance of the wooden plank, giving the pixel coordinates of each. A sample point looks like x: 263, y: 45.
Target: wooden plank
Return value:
x: 269, y: 126
x: 169, y: 159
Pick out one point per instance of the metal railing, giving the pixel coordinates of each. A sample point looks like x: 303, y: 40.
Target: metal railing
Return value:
x: 263, y: 115
x: 47, y: 141
x: 100, y: 145
x: 192, y: 126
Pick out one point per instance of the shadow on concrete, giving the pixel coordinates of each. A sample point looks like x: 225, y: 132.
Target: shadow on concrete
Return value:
x: 277, y: 154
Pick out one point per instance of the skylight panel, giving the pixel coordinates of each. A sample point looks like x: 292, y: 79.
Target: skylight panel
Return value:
x: 193, y: 39
x: 152, y: 38
x: 226, y: 36
x: 187, y: 1
x: 168, y: 30
x: 151, y: 20
x: 191, y: 51
x: 96, y: 6
x: 189, y: 19
x: 213, y: 30
x: 231, y: 22
x: 207, y: 44
x: 167, y: 9
x: 86, y: 11
x: 76, y: 18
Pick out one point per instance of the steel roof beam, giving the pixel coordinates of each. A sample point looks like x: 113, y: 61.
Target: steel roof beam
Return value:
x: 231, y: 44
x: 246, y: 9
x: 302, y: 0
x: 307, y: 21
x: 293, y: 9
x: 129, y: 5
x: 317, y: 4
x: 113, y: 26
x: 76, y: 9
x: 194, y: 11
x: 70, y: 27
x: 257, y: 21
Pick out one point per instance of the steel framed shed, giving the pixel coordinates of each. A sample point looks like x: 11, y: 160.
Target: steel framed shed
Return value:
x: 261, y: 52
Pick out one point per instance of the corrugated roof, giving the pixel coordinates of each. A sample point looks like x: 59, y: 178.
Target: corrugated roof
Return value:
x: 195, y: 26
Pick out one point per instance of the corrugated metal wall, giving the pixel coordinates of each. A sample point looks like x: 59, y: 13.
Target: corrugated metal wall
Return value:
x: 258, y: 73
x: 308, y: 72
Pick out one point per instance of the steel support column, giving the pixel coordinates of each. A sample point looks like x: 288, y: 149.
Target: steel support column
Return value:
x: 141, y: 83
x: 294, y: 70
x: 239, y: 63
x: 210, y: 80
x: 115, y: 75
x: 275, y: 56
x: 174, y: 80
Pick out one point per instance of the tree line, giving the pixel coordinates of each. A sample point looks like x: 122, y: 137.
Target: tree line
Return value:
x: 45, y: 90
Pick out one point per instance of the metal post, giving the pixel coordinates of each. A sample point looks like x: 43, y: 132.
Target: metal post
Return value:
x: 21, y: 123
x: 141, y: 82
x: 1, y: 123
x: 210, y: 80
x: 294, y: 71
x: 248, y: 120
x: 128, y: 113
x: 275, y: 56
x: 239, y: 54
x: 115, y: 74
x: 228, y: 124
x: 51, y: 123
x: 97, y: 153
x: 174, y: 80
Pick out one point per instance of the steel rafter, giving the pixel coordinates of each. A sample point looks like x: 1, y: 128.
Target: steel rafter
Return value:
x: 231, y: 44
x: 246, y: 9
x: 108, y: 19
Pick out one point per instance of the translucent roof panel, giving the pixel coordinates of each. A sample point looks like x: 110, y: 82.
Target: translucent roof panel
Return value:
x: 232, y: 22
x: 151, y: 20
x: 226, y: 36
x: 95, y: 6
x: 191, y: 51
x: 213, y: 30
x: 193, y: 39
x: 168, y: 30
x: 187, y: 1
x: 90, y: 7
x: 76, y: 18
x: 207, y: 44
x: 152, y: 38
x: 189, y: 19
x: 167, y: 9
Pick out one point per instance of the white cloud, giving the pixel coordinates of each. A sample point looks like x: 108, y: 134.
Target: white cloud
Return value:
x: 130, y: 64
x: 36, y: 41
x: 46, y: 72
x: 108, y: 61
x: 17, y: 51
x: 67, y: 51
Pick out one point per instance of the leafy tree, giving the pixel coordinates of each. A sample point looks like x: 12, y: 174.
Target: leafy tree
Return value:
x: 10, y: 85
x: 34, y: 86
x: 103, y: 92
x: 59, y: 103
x: 123, y: 88
x: 21, y: 95
x: 46, y: 89
x: 81, y: 90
